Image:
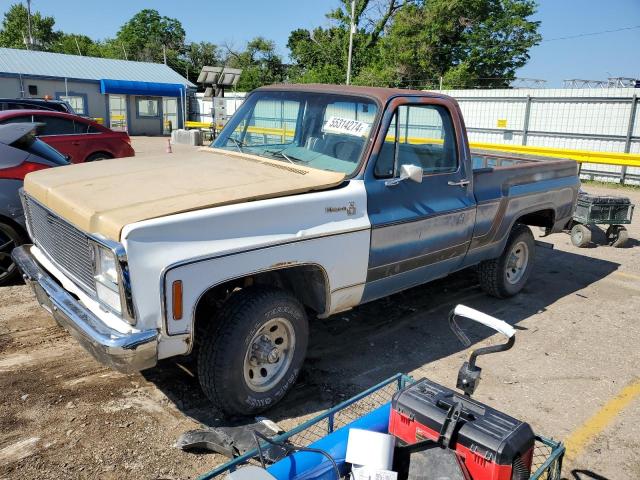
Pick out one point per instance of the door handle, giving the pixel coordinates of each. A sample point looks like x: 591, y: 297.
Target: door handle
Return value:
x: 461, y: 183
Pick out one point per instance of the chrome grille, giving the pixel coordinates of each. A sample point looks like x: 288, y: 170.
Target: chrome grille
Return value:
x: 65, y: 245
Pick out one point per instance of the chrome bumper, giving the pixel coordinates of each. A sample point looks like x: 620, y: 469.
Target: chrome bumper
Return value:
x: 128, y: 352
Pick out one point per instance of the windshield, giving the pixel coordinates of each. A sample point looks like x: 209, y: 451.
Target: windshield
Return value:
x: 318, y: 130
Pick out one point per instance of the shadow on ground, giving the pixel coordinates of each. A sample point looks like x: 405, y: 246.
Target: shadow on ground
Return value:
x: 352, y: 351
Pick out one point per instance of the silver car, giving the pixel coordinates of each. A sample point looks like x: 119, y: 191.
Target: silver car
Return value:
x: 20, y: 153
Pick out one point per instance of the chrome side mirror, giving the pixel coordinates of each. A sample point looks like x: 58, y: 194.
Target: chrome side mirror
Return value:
x: 411, y: 172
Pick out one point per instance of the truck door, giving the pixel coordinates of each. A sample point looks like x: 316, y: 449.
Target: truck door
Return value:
x: 419, y: 231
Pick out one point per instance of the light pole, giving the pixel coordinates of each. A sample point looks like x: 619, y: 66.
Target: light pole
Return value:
x: 29, y: 24
x: 351, y: 32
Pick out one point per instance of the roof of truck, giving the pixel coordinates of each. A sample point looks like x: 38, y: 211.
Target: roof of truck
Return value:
x: 380, y: 93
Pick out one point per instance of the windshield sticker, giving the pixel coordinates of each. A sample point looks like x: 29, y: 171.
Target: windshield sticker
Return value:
x: 345, y: 126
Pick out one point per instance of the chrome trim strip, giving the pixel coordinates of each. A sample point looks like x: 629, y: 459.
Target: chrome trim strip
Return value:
x: 125, y: 352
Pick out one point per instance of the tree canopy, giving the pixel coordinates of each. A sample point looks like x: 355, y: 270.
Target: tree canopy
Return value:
x: 405, y: 43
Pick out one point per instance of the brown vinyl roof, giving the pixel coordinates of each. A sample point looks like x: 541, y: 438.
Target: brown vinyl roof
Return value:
x: 379, y: 93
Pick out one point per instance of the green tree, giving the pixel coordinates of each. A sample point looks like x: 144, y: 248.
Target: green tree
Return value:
x: 74, y: 44
x: 414, y: 43
x: 466, y: 42
x: 150, y: 37
x: 199, y: 54
x: 15, y: 31
x: 320, y: 54
x: 260, y: 64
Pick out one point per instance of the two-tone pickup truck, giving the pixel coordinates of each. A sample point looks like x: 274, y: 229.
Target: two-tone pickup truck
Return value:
x: 313, y: 199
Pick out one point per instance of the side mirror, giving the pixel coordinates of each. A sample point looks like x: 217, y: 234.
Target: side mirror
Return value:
x: 411, y: 172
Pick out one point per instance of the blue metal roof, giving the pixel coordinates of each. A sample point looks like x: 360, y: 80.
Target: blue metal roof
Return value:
x: 45, y: 64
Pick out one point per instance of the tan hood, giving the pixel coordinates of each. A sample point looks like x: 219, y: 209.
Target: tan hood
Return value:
x: 103, y: 197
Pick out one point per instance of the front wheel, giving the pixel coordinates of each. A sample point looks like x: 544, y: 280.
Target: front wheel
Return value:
x: 506, y: 275
x: 252, y: 353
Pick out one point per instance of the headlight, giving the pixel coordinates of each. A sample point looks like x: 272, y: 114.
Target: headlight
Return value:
x: 106, y: 276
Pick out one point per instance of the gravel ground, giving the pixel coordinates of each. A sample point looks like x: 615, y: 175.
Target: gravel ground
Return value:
x: 62, y: 415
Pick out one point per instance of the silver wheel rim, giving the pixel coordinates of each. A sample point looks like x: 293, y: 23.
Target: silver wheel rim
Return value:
x: 269, y: 355
x: 517, y: 263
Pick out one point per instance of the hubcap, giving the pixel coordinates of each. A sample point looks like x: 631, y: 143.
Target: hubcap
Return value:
x: 269, y: 355
x: 517, y: 262
x: 6, y: 262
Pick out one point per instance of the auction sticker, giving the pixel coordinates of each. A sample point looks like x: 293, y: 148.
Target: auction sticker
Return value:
x: 345, y: 126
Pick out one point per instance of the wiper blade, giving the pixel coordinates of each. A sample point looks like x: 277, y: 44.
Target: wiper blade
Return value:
x: 281, y: 154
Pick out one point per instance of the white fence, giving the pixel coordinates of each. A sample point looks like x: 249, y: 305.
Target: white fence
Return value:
x: 603, y: 120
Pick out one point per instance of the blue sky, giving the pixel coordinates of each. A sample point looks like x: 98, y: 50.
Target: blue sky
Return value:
x: 235, y: 22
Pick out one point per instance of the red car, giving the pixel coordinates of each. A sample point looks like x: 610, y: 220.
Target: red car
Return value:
x: 81, y: 139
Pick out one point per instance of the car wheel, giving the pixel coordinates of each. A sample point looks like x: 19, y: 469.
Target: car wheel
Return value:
x: 506, y: 275
x: 94, y: 157
x: 9, y: 239
x: 251, y: 354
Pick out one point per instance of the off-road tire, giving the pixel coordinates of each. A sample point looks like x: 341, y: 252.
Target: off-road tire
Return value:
x: 580, y: 235
x: 225, y: 342
x: 492, y: 273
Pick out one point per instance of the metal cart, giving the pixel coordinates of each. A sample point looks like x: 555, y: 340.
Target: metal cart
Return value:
x: 601, y: 210
x: 547, y: 456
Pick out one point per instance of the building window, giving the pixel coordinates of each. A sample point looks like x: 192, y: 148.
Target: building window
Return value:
x: 77, y: 102
x: 147, y: 107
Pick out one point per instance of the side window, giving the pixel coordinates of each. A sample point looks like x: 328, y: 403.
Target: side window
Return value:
x: 77, y: 102
x: 147, y: 107
x: 425, y: 137
x: 20, y: 119
x: 55, y: 125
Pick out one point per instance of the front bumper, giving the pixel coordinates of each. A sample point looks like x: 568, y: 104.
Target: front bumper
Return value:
x: 125, y: 352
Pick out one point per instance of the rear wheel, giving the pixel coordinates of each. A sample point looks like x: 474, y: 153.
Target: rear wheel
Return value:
x: 250, y: 356
x: 506, y: 275
x: 617, y: 236
x: 580, y: 235
x: 10, y: 238
x: 94, y: 157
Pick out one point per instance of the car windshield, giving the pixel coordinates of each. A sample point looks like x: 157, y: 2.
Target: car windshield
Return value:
x: 318, y: 130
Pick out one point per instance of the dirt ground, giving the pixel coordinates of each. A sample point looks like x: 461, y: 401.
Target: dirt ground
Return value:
x: 62, y: 415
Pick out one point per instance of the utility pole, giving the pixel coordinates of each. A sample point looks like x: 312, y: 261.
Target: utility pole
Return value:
x: 77, y: 45
x: 29, y: 24
x: 351, y: 32
x: 164, y: 53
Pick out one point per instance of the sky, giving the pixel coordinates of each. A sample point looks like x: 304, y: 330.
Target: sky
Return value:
x: 234, y: 22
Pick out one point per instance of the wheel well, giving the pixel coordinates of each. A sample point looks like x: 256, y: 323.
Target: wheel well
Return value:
x: 99, y: 152
x: 308, y: 283
x: 540, y: 218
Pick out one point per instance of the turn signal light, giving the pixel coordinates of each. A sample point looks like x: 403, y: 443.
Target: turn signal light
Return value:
x: 176, y: 291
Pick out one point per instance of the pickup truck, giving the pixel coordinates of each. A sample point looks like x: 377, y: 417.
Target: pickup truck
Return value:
x: 312, y: 200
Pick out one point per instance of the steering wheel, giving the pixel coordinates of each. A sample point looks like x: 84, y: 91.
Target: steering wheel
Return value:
x: 336, y: 145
